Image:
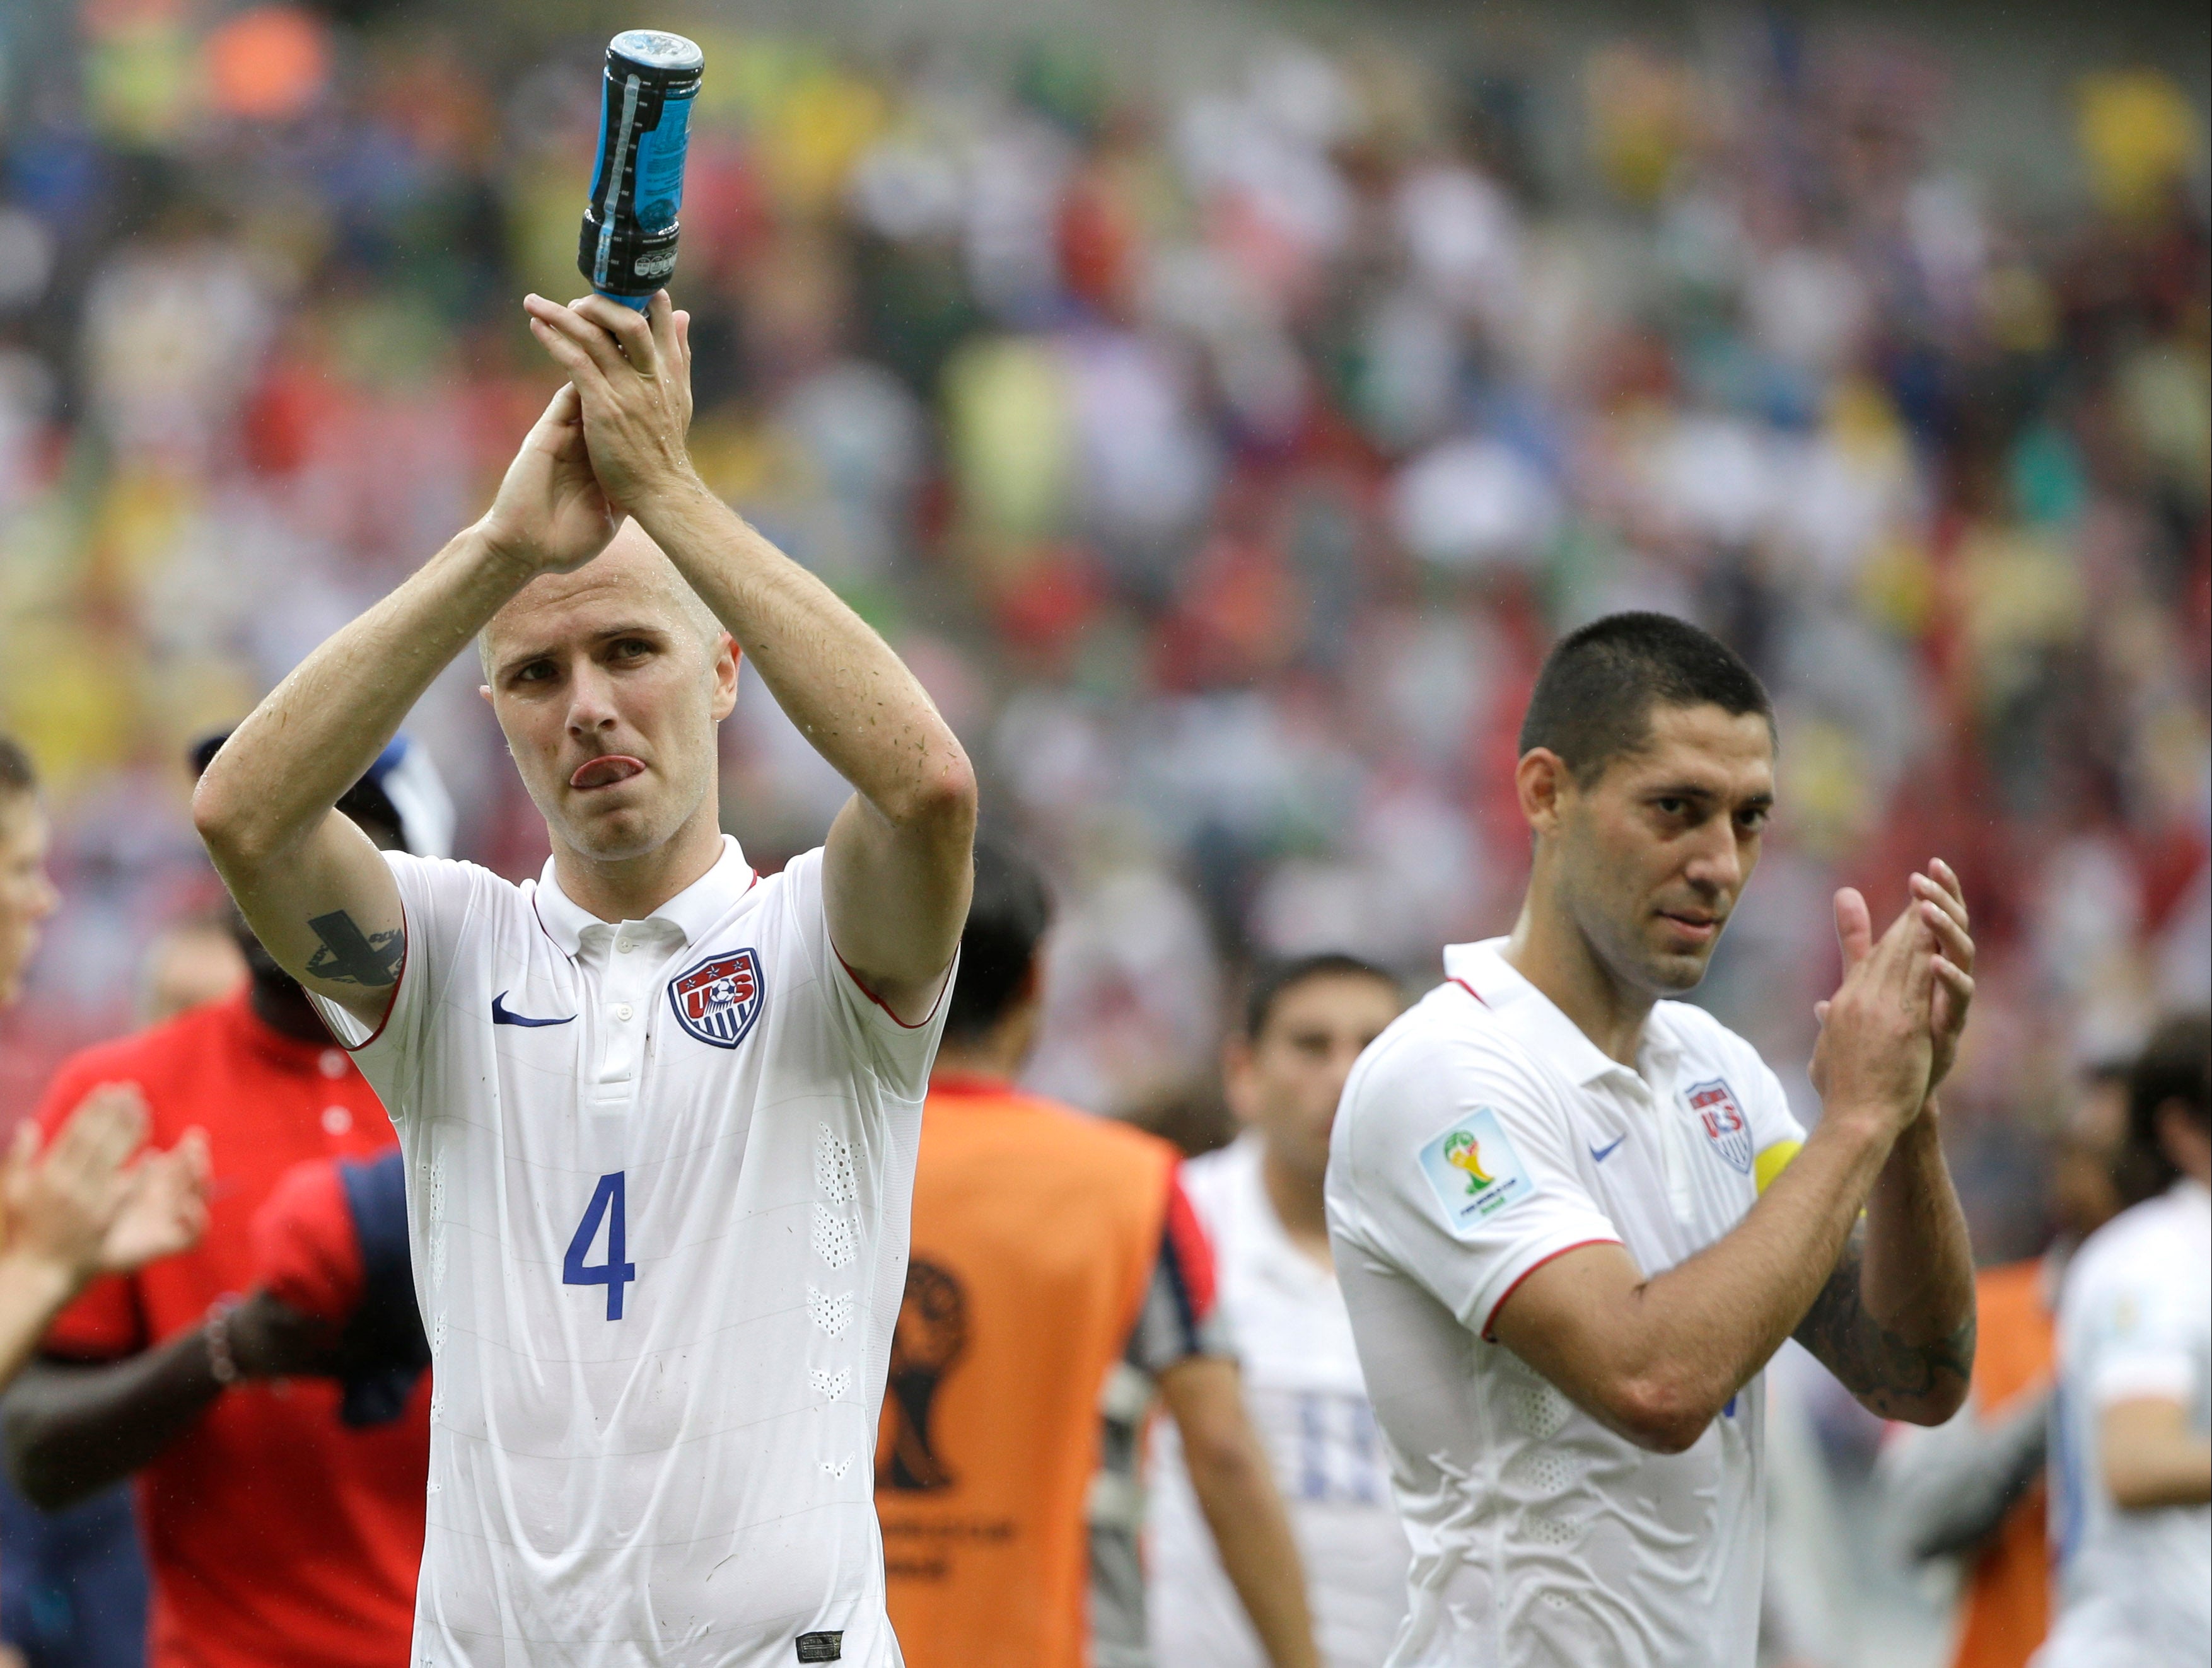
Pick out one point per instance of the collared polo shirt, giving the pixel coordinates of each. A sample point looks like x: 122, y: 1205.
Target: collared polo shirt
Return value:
x: 1480, y: 1136
x: 659, y: 1174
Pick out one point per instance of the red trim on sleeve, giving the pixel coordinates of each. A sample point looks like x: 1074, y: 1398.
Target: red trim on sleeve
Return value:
x: 1548, y: 1256
x: 1186, y: 1241
x: 1468, y: 988
x: 861, y: 986
x: 406, y: 952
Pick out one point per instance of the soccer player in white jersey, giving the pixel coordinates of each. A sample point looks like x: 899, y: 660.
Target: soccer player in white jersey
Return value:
x: 1305, y: 1022
x: 1562, y: 1219
x: 659, y: 1113
x: 2131, y: 1464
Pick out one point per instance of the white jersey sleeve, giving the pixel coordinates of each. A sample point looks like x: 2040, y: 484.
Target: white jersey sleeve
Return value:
x: 440, y: 902
x: 1462, y: 1169
x: 899, y: 1053
x: 2138, y: 1336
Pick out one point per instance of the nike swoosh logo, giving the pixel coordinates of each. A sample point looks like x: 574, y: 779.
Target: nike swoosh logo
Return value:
x: 501, y: 1015
x: 1600, y: 1153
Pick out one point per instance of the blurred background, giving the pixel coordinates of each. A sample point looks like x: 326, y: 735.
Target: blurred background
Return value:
x: 1221, y: 406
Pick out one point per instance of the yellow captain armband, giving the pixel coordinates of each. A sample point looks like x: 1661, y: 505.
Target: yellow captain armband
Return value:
x: 1773, y: 1161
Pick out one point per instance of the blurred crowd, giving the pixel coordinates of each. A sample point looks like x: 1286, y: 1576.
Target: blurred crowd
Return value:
x: 1223, y: 453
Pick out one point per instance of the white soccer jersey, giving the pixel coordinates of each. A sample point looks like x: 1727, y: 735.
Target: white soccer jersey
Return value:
x: 1286, y: 1319
x: 2135, y: 1589
x: 658, y: 1179
x: 1481, y: 1135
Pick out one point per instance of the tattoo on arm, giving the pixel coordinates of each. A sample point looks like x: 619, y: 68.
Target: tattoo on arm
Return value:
x: 350, y: 956
x: 1886, y: 1373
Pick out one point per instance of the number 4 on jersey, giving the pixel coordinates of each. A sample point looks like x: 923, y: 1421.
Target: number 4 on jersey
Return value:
x: 615, y: 1273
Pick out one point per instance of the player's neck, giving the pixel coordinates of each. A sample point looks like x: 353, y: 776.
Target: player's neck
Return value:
x: 630, y: 889
x: 1300, y: 1206
x: 1549, y: 951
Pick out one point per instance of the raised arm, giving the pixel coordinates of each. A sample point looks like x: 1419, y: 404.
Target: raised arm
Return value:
x: 1658, y: 1359
x: 311, y: 884
x: 1895, y: 1320
x: 897, y: 871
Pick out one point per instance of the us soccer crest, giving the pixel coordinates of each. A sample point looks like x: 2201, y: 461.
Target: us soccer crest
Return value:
x: 718, y: 1000
x: 1725, y: 1123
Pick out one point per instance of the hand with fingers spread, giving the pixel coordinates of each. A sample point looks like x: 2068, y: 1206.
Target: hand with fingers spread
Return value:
x: 632, y: 372
x: 60, y: 1206
x: 165, y: 1209
x: 1876, y: 1047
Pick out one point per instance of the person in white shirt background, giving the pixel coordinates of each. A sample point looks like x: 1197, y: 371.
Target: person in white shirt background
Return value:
x: 654, y: 1444
x: 1572, y: 1220
x: 2131, y: 1441
x: 1261, y: 1200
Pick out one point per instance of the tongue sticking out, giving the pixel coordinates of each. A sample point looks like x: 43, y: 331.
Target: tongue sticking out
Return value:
x: 610, y: 769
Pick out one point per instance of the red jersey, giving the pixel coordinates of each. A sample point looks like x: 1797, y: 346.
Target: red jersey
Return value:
x: 275, y: 1534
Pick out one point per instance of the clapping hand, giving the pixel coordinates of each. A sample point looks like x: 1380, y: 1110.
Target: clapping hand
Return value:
x: 1936, y: 917
x: 60, y: 1204
x: 165, y: 1209
x: 550, y: 515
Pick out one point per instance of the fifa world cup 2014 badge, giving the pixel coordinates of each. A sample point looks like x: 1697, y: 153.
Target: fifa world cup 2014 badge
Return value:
x: 718, y: 1000
x: 1474, y: 1171
x: 1724, y: 1122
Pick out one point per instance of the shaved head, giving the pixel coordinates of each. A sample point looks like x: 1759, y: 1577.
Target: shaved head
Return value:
x: 631, y: 564
x: 608, y: 683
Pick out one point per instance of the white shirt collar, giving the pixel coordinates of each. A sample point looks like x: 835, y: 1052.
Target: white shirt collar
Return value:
x: 690, y: 912
x: 1498, y: 986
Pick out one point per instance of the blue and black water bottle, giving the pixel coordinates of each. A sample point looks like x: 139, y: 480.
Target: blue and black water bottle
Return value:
x: 627, y: 249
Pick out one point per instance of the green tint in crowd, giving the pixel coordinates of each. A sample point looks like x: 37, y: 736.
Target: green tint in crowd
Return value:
x: 1222, y: 450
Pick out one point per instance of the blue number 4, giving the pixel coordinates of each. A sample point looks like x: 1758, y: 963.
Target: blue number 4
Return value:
x: 614, y: 1273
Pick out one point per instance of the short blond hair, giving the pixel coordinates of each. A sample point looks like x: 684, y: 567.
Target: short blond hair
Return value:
x: 669, y: 582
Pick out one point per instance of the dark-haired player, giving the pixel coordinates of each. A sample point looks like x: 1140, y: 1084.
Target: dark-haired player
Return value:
x: 275, y: 1531
x: 1058, y: 1274
x: 2131, y: 1466
x: 1261, y: 1200
x: 1559, y: 1203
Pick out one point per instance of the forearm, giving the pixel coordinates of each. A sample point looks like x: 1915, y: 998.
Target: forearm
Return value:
x: 314, y: 734
x: 2151, y: 1458
x: 2179, y: 1475
x: 1919, y: 1275
x: 33, y: 1290
x: 834, y: 678
x: 1252, y: 1532
x: 1705, y: 1327
x: 1895, y: 1321
x: 71, y: 1430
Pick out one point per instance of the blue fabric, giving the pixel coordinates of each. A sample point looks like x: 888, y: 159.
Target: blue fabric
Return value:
x: 384, y: 1347
x: 73, y: 1588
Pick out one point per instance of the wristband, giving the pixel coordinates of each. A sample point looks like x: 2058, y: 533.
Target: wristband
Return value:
x: 220, y: 1362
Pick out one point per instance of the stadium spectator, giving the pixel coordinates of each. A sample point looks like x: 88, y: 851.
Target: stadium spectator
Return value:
x: 1058, y: 1278
x: 1261, y: 1202
x: 2131, y: 1460
x: 1573, y: 1220
x: 276, y: 1530
x: 1972, y: 1489
x: 715, y: 1075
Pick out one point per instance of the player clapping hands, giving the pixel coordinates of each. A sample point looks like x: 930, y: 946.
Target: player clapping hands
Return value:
x: 81, y: 1208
